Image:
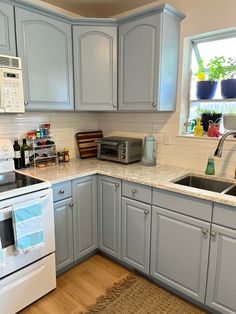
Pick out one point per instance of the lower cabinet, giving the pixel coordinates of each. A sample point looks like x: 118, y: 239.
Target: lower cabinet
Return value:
x: 63, y: 216
x: 84, y: 193
x: 136, y: 224
x: 179, y: 252
x: 109, y: 215
x: 221, y: 286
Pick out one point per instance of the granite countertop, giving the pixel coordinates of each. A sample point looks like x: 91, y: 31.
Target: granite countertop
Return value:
x: 157, y: 176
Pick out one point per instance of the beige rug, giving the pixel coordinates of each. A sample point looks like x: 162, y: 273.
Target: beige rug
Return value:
x: 136, y: 295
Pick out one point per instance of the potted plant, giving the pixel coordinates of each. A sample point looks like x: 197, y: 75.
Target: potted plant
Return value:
x: 228, y: 84
x: 207, y: 116
x: 208, y: 77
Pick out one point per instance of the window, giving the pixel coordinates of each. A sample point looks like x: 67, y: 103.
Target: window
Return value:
x: 206, y: 49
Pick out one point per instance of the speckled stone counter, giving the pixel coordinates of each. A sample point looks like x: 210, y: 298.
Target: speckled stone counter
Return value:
x: 158, y: 176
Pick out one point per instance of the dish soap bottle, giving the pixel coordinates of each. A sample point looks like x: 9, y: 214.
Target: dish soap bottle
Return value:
x: 210, y: 169
x: 25, y: 154
x: 198, y: 129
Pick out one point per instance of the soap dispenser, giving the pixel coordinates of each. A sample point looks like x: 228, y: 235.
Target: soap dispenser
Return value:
x: 149, y: 152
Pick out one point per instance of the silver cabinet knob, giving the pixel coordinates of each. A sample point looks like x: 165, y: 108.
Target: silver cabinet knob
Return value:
x: 154, y: 104
x: 114, y: 105
x: 61, y: 191
x: 204, y: 231
x: 117, y: 185
x: 71, y: 204
x: 213, y: 234
x: 146, y: 212
x: 134, y: 191
x: 26, y: 102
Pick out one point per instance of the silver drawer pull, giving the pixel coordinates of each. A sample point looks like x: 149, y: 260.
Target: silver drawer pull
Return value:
x: 71, y: 204
x: 117, y: 185
x: 213, y: 234
x: 146, y: 212
x: 62, y: 191
x: 205, y: 231
x: 154, y: 104
x: 134, y: 191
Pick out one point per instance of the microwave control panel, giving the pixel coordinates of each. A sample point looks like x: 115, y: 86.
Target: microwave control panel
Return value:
x: 11, y: 90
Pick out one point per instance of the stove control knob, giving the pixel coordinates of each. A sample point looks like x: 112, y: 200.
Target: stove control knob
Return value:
x: 122, y: 156
x: 123, y: 151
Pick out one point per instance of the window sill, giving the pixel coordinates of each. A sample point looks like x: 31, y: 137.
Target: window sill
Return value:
x: 204, y: 137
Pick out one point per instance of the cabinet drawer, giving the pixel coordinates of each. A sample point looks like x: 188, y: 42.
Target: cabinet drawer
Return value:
x: 61, y: 191
x: 183, y: 204
x: 137, y: 192
x: 224, y: 215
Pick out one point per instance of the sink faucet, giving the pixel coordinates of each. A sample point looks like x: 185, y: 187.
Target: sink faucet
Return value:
x: 219, y: 148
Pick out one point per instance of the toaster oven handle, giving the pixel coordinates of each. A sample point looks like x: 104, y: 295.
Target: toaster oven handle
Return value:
x: 107, y: 143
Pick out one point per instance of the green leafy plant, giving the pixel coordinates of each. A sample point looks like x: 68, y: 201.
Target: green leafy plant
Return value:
x: 200, y: 111
x: 230, y: 69
x: 214, y: 71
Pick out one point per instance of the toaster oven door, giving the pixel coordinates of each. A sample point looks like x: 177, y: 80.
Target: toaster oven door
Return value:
x: 109, y: 151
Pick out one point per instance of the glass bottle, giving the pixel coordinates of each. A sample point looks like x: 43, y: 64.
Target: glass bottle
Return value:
x: 25, y: 154
x: 17, y: 154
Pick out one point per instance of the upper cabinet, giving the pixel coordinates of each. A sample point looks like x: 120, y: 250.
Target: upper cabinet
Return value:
x: 148, y: 62
x: 45, y: 46
x: 95, y: 67
x: 7, y: 33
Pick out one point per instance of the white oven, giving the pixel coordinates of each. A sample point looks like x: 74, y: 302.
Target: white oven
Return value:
x: 28, y: 276
x: 13, y: 260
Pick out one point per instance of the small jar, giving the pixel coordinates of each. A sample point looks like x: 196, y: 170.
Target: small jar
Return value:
x: 66, y: 156
x: 60, y: 157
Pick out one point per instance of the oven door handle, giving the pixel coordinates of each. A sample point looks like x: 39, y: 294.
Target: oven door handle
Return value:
x: 109, y: 143
x: 6, y: 209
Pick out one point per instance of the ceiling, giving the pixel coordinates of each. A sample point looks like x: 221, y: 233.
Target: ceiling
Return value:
x: 98, y: 8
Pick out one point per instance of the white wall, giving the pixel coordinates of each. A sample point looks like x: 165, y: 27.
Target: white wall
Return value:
x: 201, y: 16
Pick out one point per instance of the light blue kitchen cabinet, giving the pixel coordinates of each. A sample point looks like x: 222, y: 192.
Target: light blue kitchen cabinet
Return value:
x: 136, y: 224
x: 221, y: 285
x: 63, y: 213
x: 148, y: 61
x: 45, y: 46
x: 95, y: 67
x: 109, y: 215
x: 84, y: 193
x: 179, y: 252
x: 7, y: 30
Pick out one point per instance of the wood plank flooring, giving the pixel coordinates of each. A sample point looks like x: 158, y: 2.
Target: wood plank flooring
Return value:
x: 79, y: 287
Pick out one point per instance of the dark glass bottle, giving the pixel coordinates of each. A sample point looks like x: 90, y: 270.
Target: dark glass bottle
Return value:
x: 17, y: 155
x: 25, y: 154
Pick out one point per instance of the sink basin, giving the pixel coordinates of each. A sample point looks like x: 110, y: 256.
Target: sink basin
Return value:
x: 205, y: 184
x: 231, y: 191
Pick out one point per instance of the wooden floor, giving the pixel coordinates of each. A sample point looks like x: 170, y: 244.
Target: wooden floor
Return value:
x: 79, y: 287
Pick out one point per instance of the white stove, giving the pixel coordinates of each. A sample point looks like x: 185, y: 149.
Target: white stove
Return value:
x: 24, y: 278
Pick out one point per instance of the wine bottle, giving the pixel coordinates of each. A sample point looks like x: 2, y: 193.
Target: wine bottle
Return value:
x: 25, y: 154
x: 17, y: 155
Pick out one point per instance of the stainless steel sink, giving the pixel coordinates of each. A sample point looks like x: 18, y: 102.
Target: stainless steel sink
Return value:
x: 206, y: 184
x: 231, y: 191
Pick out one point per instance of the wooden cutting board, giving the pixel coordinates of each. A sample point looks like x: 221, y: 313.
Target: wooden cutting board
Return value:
x: 86, y: 143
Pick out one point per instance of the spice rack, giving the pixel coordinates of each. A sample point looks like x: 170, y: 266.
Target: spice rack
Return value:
x: 43, y: 151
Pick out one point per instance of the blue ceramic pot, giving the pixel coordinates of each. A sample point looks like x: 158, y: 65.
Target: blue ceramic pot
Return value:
x: 228, y: 88
x: 206, y: 89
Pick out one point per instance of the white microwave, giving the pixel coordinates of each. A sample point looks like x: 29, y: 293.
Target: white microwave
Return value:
x: 11, y: 85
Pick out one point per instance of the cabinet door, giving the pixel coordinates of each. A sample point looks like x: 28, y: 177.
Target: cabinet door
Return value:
x: 136, y: 220
x: 45, y: 46
x: 138, y: 64
x: 109, y: 195
x: 84, y: 193
x: 63, y: 232
x: 221, y: 286
x: 179, y: 252
x: 7, y: 33
x: 95, y: 66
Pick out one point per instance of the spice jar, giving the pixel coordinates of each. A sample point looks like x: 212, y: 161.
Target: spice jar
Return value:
x: 66, y: 156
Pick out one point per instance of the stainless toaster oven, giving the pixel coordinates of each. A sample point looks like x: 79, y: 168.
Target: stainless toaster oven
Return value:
x: 120, y: 149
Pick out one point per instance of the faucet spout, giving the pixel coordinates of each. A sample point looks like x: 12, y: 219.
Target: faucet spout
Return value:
x: 219, y: 148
